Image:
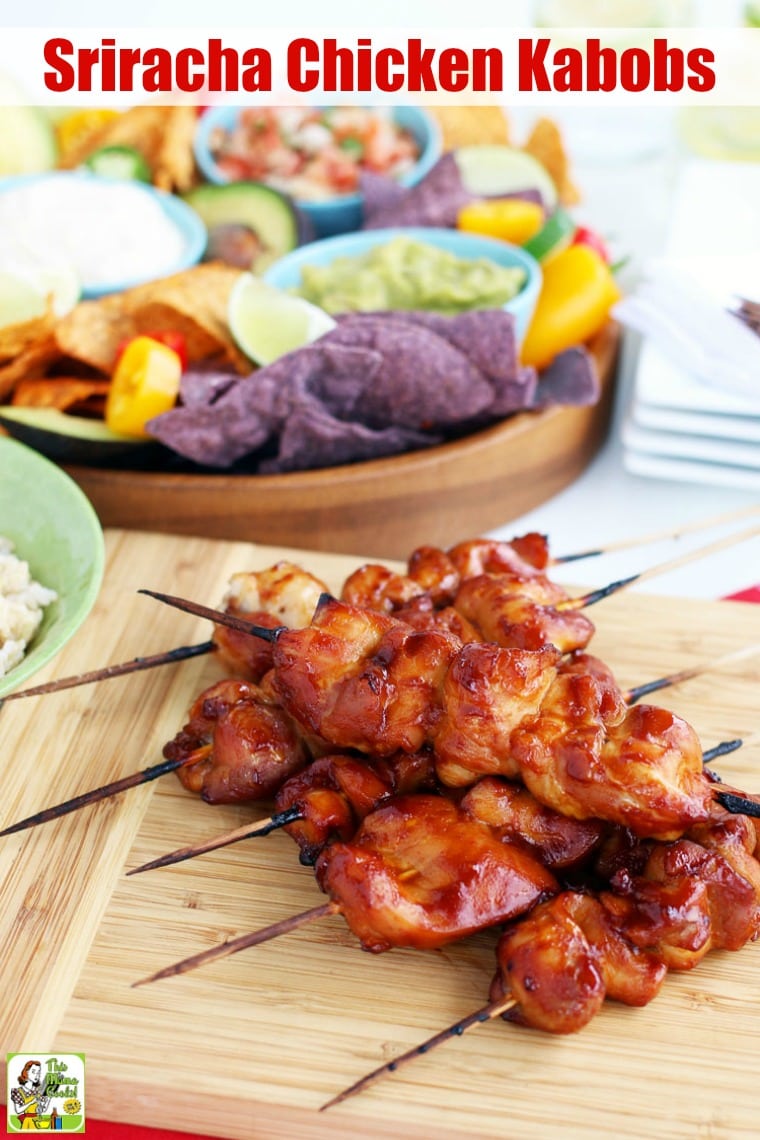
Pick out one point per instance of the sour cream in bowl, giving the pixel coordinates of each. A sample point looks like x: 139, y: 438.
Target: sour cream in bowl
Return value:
x: 113, y: 234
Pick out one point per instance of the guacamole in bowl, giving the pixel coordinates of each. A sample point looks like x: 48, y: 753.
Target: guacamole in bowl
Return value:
x: 441, y: 271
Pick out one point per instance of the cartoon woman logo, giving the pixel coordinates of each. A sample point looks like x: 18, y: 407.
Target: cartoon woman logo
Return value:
x: 29, y: 1097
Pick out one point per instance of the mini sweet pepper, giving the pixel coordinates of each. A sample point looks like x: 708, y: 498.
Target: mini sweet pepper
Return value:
x: 144, y: 384
x: 577, y: 294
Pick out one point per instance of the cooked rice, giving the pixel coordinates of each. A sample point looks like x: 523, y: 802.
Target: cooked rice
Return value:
x: 21, y: 604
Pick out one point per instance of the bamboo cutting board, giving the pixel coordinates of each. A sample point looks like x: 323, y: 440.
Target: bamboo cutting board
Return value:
x: 252, y: 1045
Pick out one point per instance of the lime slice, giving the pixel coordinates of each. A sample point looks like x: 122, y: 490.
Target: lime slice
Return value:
x: 266, y: 323
x: 26, y: 286
x: 752, y: 14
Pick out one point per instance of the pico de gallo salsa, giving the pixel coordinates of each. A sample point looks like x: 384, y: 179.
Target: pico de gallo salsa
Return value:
x: 313, y: 153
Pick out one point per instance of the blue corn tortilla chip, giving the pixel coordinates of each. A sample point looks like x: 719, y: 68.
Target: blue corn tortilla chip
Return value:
x: 377, y: 384
x: 488, y: 338
x: 313, y: 438
x: 257, y: 407
x: 200, y: 386
x: 570, y: 379
x: 424, y: 381
x: 434, y: 201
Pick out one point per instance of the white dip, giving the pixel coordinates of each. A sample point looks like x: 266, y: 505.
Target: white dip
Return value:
x: 107, y: 231
x: 21, y: 604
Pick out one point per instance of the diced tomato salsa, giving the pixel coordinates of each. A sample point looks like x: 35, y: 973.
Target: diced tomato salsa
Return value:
x: 313, y: 153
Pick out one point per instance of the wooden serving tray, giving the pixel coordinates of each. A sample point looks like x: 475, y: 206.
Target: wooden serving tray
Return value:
x: 438, y: 495
x: 252, y: 1045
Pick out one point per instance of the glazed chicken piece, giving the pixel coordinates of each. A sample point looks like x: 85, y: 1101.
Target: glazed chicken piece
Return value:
x: 561, y: 962
x: 591, y: 757
x: 487, y: 693
x: 521, y: 613
x: 421, y: 873
x: 514, y: 815
x: 526, y: 556
x: 283, y: 594
x: 337, y: 791
x: 363, y: 680
x: 671, y: 906
x: 246, y: 745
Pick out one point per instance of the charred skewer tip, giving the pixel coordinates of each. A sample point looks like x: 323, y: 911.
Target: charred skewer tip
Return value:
x: 248, y: 831
x: 486, y: 1013
x: 217, y: 616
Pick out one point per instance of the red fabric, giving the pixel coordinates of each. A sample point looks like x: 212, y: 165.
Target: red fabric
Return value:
x: 751, y: 594
x: 108, y: 1130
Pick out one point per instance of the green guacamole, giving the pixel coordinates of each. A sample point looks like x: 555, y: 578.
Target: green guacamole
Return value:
x: 407, y: 274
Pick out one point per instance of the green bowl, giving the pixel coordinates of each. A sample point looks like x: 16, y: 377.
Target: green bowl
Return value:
x: 55, y: 529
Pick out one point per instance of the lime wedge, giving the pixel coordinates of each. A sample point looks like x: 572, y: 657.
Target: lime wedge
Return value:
x: 266, y: 322
x: 752, y: 14
x: 26, y: 287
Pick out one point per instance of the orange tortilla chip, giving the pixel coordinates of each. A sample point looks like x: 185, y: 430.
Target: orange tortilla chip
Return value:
x: 546, y: 145
x: 60, y: 392
x: 174, y: 167
x: 32, y: 361
x: 93, y: 331
x: 461, y: 126
x: 193, y: 302
x: 19, y: 337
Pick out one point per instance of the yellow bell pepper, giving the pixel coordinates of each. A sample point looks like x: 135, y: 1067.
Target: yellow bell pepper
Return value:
x: 577, y: 294
x: 144, y: 384
x: 77, y: 128
x: 509, y: 219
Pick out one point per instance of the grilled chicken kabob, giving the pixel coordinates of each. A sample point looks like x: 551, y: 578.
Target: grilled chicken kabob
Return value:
x: 369, y: 683
x: 663, y: 907
x: 505, y: 597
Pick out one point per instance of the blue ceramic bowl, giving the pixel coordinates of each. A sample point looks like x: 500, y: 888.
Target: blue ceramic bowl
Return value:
x: 191, y: 229
x: 341, y: 214
x: 286, y: 273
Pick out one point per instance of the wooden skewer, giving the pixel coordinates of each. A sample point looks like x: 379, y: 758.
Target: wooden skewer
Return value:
x: 487, y: 1013
x: 96, y: 794
x: 635, y: 694
x: 247, y: 831
x: 662, y: 535
x: 594, y: 596
x: 106, y: 672
x: 224, y: 949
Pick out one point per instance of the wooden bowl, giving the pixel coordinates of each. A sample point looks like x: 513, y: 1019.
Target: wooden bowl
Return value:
x: 383, y: 507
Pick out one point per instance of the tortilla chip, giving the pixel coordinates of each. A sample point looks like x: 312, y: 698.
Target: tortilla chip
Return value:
x: 19, y: 337
x: 62, y: 392
x: 546, y: 145
x: 33, y: 361
x: 193, y: 302
x: 461, y: 126
x: 93, y: 331
x: 174, y: 168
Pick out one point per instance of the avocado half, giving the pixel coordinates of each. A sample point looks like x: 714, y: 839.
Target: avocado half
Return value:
x: 68, y: 439
x: 274, y: 218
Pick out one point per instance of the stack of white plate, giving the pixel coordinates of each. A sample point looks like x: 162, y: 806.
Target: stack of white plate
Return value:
x: 678, y: 426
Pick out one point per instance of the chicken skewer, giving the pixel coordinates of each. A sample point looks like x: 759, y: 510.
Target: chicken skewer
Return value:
x: 363, y: 681
x: 371, y: 898
x: 666, y: 906
x: 265, y: 634
x: 531, y: 550
x: 282, y: 755
x: 419, y: 872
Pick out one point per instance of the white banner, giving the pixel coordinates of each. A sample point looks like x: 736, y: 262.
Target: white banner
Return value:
x: 516, y: 67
